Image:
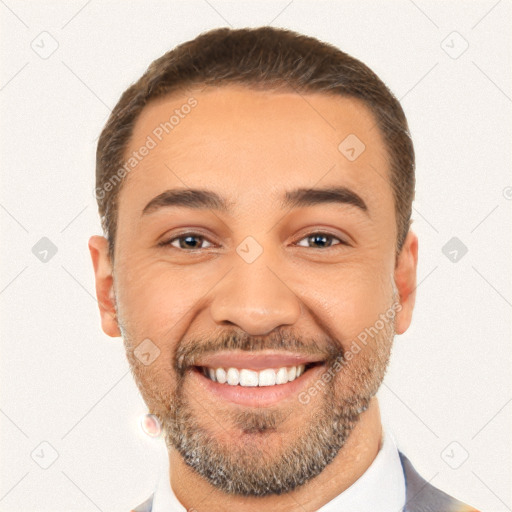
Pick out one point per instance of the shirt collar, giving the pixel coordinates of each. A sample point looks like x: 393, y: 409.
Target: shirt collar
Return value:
x: 381, y: 487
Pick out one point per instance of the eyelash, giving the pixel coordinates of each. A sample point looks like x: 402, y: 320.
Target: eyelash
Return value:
x: 198, y: 235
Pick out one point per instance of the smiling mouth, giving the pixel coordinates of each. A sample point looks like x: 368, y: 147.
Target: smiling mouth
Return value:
x: 243, y: 377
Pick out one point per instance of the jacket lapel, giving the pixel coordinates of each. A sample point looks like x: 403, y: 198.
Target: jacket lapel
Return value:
x: 421, y: 496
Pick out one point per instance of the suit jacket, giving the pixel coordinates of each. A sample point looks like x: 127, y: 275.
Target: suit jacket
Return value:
x: 420, y: 496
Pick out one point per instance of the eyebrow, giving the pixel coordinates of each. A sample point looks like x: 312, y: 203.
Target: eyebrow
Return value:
x: 312, y: 196
x: 202, y: 199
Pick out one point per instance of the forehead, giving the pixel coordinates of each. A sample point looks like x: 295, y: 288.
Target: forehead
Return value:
x: 251, y: 146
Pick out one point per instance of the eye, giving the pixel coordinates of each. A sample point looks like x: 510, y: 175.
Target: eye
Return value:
x: 324, y: 239
x: 186, y: 241
x: 194, y: 241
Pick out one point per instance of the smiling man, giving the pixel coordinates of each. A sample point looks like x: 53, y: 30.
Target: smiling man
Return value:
x: 255, y: 187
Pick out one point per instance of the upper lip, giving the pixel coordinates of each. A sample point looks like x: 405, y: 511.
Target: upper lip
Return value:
x: 256, y: 360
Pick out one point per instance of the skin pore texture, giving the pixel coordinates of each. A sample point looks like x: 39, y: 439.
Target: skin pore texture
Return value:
x: 325, y: 272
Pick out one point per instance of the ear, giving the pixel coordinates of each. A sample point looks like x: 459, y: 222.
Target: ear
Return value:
x: 405, y: 280
x: 98, y: 247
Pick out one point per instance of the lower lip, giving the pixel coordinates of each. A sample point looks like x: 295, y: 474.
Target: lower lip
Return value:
x: 257, y: 396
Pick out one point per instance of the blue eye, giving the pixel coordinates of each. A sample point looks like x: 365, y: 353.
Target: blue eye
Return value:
x: 194, y: 241
x: 186, y: 241
x: 324, y: 239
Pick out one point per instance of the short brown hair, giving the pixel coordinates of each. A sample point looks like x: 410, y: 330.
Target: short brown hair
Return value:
x: 263, y: 57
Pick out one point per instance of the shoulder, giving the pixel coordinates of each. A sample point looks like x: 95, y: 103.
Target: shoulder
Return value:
x: 422, y: 496
x: 146, y: 506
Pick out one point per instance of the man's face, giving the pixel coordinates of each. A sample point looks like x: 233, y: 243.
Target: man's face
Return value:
x: 265, y: 283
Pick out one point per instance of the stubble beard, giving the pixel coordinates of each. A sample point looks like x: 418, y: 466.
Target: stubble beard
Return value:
x: 248, y: 469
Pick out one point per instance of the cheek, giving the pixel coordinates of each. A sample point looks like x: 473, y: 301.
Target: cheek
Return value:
x: 348, y: 300
x: 157, y: 387
x: 156, y: 301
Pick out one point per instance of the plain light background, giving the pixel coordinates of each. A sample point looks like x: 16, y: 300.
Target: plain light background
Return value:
x: 64, y: 383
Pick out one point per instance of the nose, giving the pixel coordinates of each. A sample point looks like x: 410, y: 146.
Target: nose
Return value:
x: 255, y: 298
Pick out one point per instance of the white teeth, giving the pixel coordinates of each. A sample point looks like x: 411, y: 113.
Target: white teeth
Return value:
x: 267, y: 378
x: 248, y: 378
x: 251, y: 378
x: 233, y: 376
x: 220, y: 373
x: 282, y: 376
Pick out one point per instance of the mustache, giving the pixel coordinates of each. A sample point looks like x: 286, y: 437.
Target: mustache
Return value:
x: 188, y: 353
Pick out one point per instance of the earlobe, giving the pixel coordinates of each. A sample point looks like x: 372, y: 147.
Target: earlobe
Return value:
x: 98, y: 248
x: 405, y: 280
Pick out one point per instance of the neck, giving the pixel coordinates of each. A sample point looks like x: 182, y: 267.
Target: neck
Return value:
x: 361, y: 448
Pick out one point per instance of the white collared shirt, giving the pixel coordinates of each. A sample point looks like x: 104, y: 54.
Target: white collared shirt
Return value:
x: 381, y: 487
